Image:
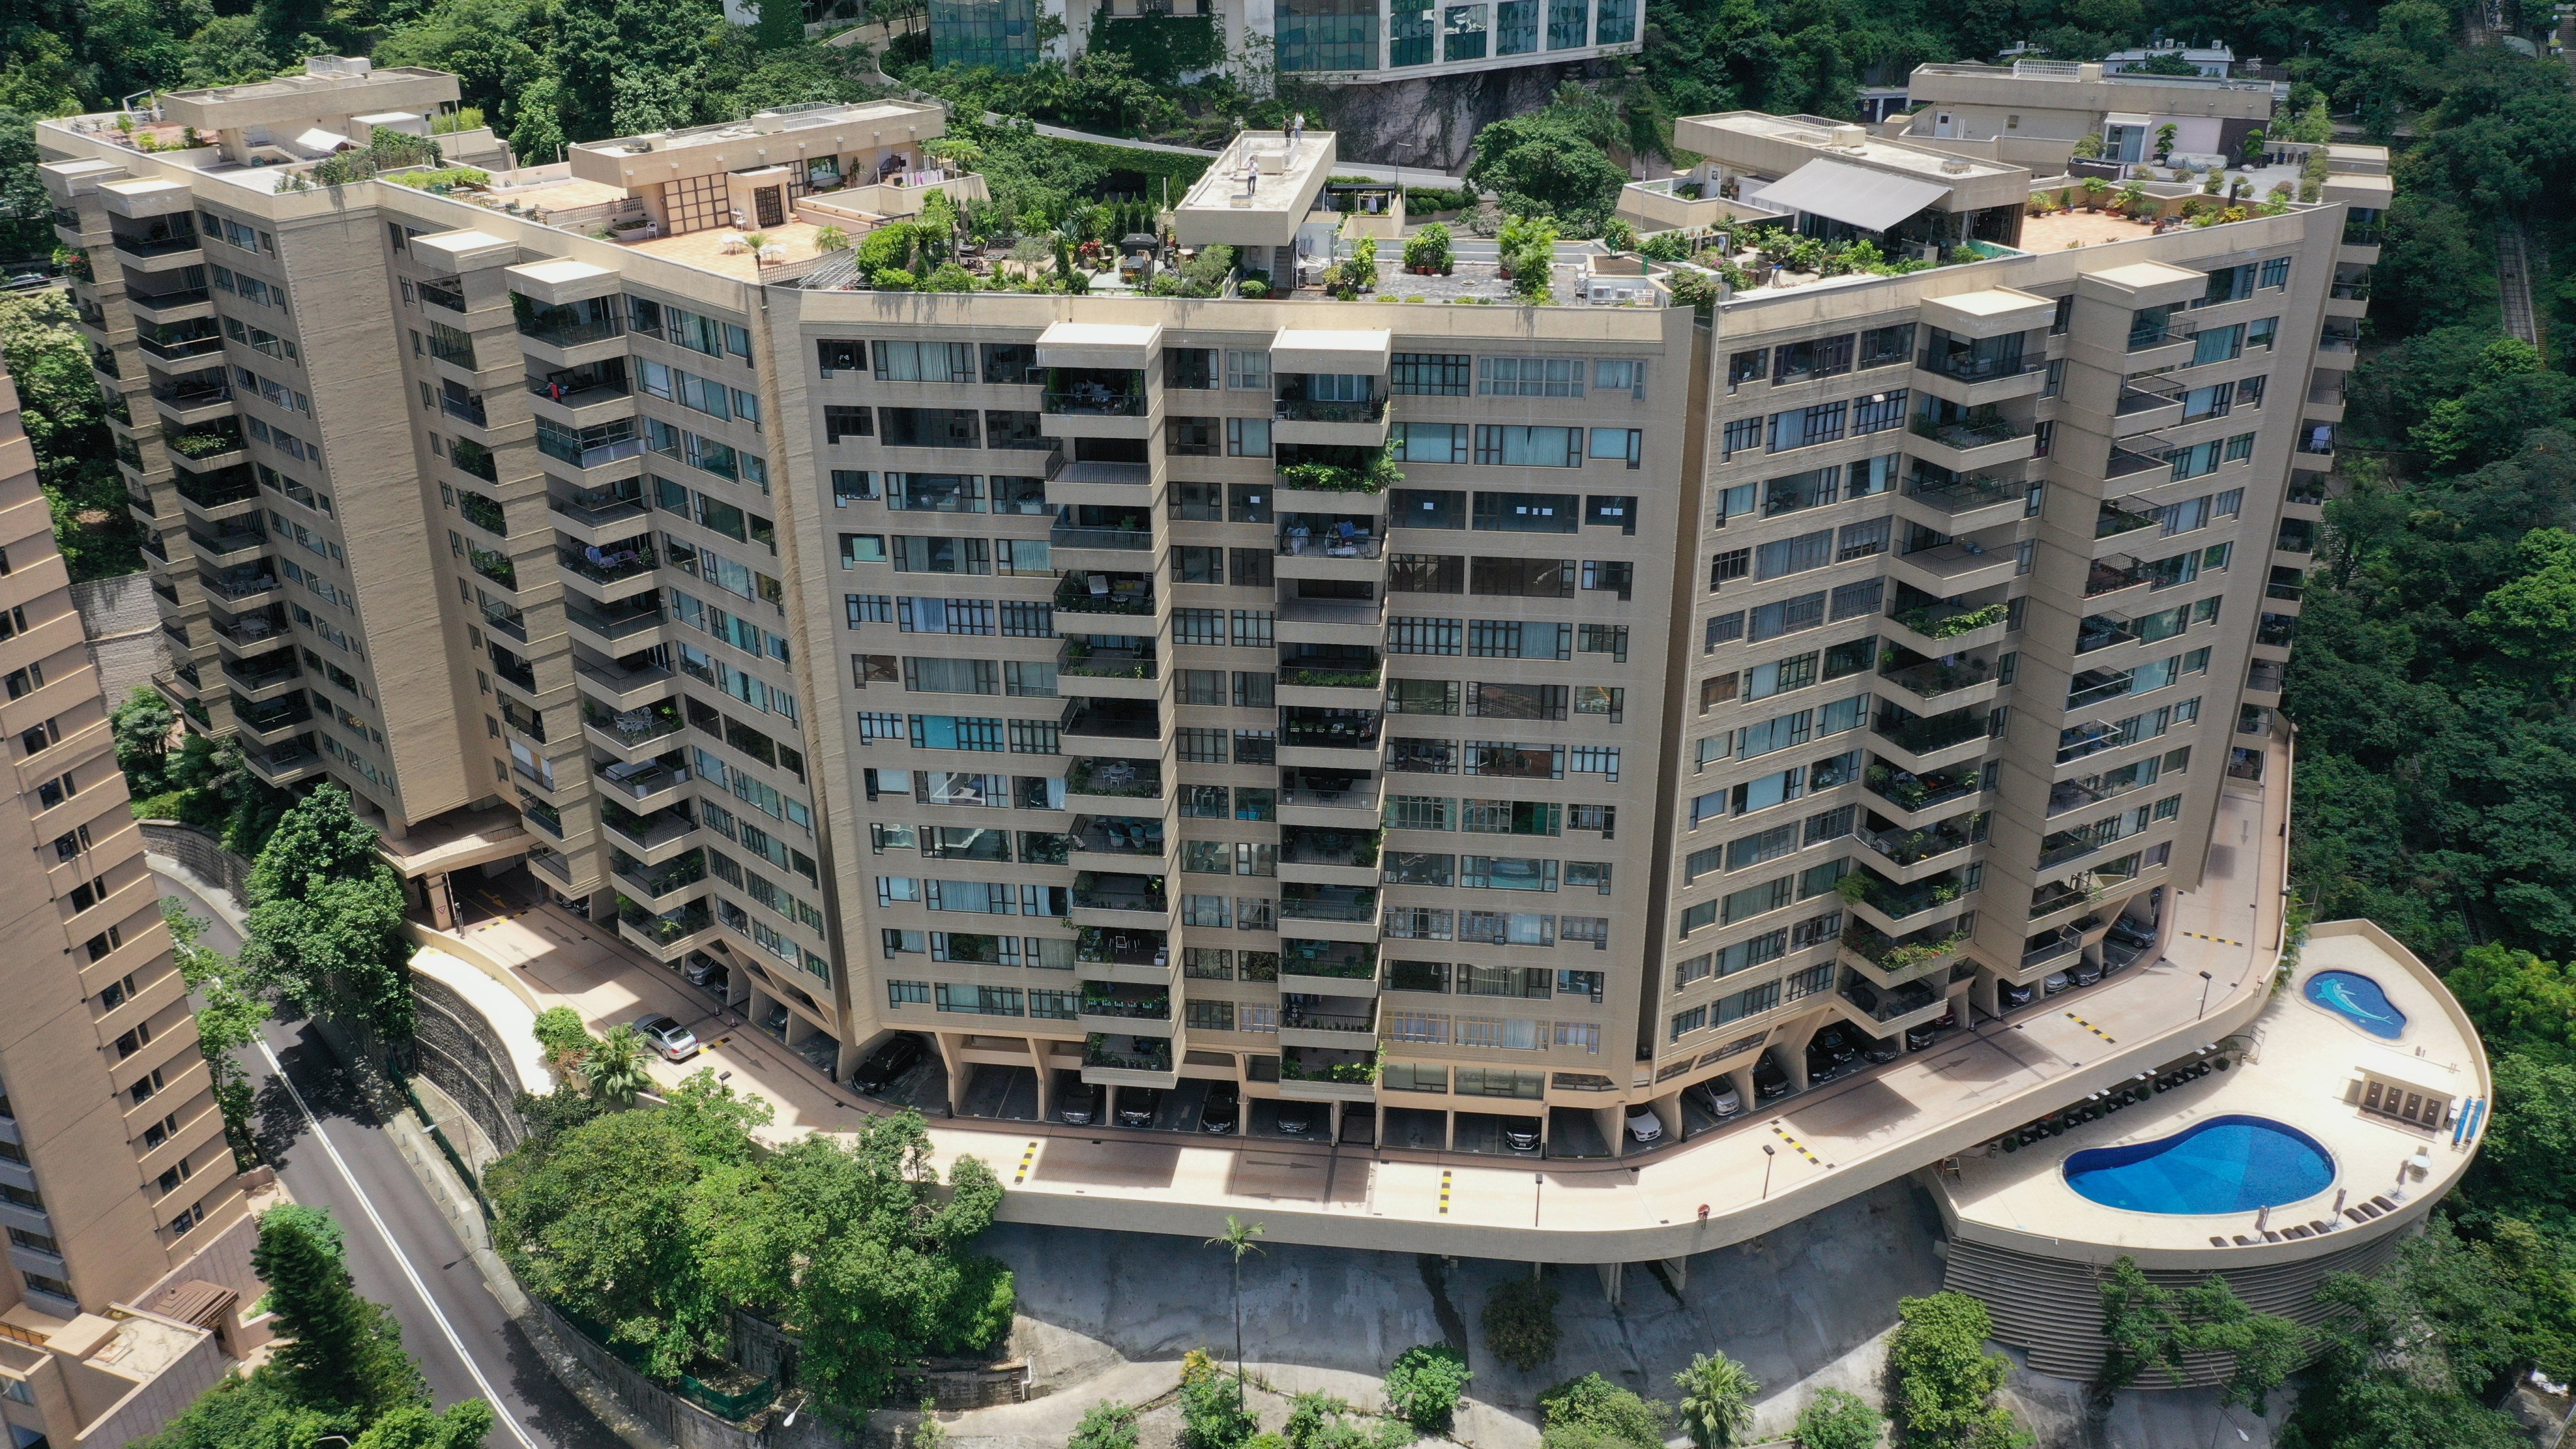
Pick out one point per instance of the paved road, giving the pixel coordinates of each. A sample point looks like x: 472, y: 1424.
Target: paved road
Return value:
x: 329, y: 1153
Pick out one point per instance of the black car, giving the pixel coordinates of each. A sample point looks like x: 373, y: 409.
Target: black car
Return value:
x: 1770, y: 1081
x: 1520, y: 1136
x: 2086, y: 972
x: 1878, y: 1049
x: 1836, y: 1044
x: 1919, y: 1037
x: 1296, y: 1119
x: 1078, y: 1103
x: 1137, y: 1106
x: 2133, y: 933
x: 1222, y: 1112
x: 900, y: 1054
x: 2013, y: 994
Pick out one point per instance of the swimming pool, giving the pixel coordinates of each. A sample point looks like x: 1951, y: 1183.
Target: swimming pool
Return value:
x: 2230, y: 1164
x: 2357, y: 999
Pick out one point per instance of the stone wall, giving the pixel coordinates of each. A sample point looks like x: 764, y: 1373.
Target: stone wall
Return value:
x: 455, y: 1049
x: 203, y: 855
x: 124, y: 633
x: 1432, y: 122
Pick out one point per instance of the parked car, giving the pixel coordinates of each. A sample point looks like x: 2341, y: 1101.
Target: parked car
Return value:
x: 1222, y: 1112
x: 1919, y: 1037
x: 1137, y: 1106
x: 2085, y: 973
x: 1296, y: 1119
x: 899, y: 1054
x: 1717, y: 1097
x: 2015, y: 993
x: 1881, y: 1049
x: 702, y: 969
x: 1078, y: 1103
x: 2139, y: 934
x: 2055, y: 982
x: 675, y: 1042
x: 1520, y: 1134
x: 1770, y: 1079
x: 1644, y: 1125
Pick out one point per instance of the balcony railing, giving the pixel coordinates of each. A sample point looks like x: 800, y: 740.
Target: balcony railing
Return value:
x: 1124, y: 779
x: 2110, y: 575
x: 2126, y: 516
x: 617, y: 621
x: 1965, y: 435
x: 1311, y: 410
x: 1101, y: 594
x: 440, y: 294
x: 1975, y: 365
x: 1922, y: 736
x: 1888, y: 1005
x: 1068, y: 536
x: 1932, y: 678
x: 1132, y: 1008
x: 1118, y: 892
x: 1352, y: 675
x: 1959, y: 493
x: 609, y: 564
x: 1127, y: 1053
x: 1094, y: 402
x: 1949, y: 621
x: 1091, y: 661
x: 1914, y: 793
x: 667, y: 928
x: 1113, y: 718
x: 1328, y: 903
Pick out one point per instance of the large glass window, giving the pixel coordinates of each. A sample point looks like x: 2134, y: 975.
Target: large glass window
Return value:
x: 1002, y: 34
x: 1569, y: 23
x: 1409, y: 42
x: 1616, y: 24
x: 1328, y: 35
x: 1462, y: 32
x: 1516, y: 27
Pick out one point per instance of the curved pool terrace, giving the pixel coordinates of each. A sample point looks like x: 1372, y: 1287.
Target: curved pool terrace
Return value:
x: 2358, y: 999
x: 2235, y: 1163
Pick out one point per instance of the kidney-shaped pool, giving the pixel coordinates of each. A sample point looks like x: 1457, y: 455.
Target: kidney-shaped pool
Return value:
x: 2357, y: 999
x: 2230, y: 1164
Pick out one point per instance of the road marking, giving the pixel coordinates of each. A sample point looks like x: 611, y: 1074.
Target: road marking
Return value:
x: 1795, y: 1145
x: 2197, y: 936
x: 1444, y: 1192
x: 491, y: 1395
x: 2107, y: 1038
x: 1025, y: 1159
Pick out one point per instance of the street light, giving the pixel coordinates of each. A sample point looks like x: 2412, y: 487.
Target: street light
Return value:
x: 1767, y: 1158
x: 2204, y: 997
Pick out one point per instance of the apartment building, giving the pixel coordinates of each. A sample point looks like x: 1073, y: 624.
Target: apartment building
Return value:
x: 1330, y: 42
x: 1149, y: 692
x: 114, y: 1170
x: 2032, y: 112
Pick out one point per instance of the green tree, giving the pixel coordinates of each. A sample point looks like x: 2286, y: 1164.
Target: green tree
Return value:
x: 1717, y: 1400
x: 326, y: 920
x: 338, y: 1351
x: 65, y: 418
x: 615, y: 1066
x: 229, y: 1017
x: 1834, y: 1419
x: 141, y: 727
x: 1237, y: 1240
x: 1212, y: 1415
x: 1943, y: 1379
x: 1550, y: 163
x: 1424, y: 1385
x: 1108, y: 1424
x: 1593, y: 1413
x: 1520, y: 1322
x: 560, y: 1031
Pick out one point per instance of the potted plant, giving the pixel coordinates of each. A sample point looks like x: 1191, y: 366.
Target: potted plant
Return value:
x: 1426, y: 252
x: 2095, y: 188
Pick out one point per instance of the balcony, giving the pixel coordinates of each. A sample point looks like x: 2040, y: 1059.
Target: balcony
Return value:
x: 448, y: 295
x: 1119, y: 835
x: 600, y: 515
x: 606, y: 564
x: 463, y: 405
x: 2066, y: 795
x: 1930, y: 741
x: 2116, y: 574
x: 655, y: 885
x: 1893, y: 902
x: 194, y: 399
x: 1960, y: 565
x: 1110, y: 1008
x: 595, y: 446
x: 1115, y: 719
x: 629, y: 731
x: 627, y: 683
x: 2137, y: 457
x: 1891, y: 961
x: 273, y: 717
x: 1342, y: 799
x: 1125, y: 899
x: 1094, y: 392
x: 1886, y: 1012
x: 1933, y: 679
x: 668, y: 934
x: 286, y: 763
x: 1141, y: 956
x: 649, y: 833
x: 1350, y: 965
x: 1329, y: 856
x: 1092, y: 657
x: 1310, y: 728
x: 2146, y: 403
x: 1122, y: 779
x: 1946, y: 626
x: 227, y: 547
x: 1347, y: 547
x: 1970, y: 443
x: 166, y: 306
x: 181, y: 341
x: 2060, y: 945
x: 1967, y: 501
x: 1906, y: 848
x: 1335, y: 468
x: 2060, y: 847
x: 1300, y: 417
x: 1118, y: 532
x: 1331, y: 1022
x: 169, y: 242
x: 1329, y: 905
x: 264, y: 672
x: 1104, y: 593
x: 568, y: 325
x: 648, y: 785
x: 1335, y: 681
x: 221, y: 488
x: 238, y: 586
x: 498, y: 567
x: 1324, y: 1074
x: 1124, y: 1059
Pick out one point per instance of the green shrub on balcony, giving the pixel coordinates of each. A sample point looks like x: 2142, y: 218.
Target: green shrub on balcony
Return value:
x: 203, y: 444
x: 1932, y: 623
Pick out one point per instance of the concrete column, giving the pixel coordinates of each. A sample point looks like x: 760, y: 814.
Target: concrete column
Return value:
x: 1448, y: 1131
x: 952, y: 1053
x: 442, y: 905
x: 1668, y: 1110
x: 1046, y: 1078
x: 1613, y: 1275
x: 1333, y: 1122
x: 1678, y: 1269
x: 1608, y: 1120
x: 1743, y: 1078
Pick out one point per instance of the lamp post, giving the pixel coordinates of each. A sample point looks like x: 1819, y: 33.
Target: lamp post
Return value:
x: 1768, y: 1157
x: 2204, y: 997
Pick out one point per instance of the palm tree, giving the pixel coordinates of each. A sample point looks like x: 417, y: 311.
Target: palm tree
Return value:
x: 615, y: 1067
x: 1717, y: 1400
x: 1237, y: 1239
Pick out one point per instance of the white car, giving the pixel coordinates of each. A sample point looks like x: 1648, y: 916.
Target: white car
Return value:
x: 1644, y: 1125
x: 1720, y: 1098
x: 675, y: 1042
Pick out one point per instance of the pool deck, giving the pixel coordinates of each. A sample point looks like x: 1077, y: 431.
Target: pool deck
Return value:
x: 2303, y: 1068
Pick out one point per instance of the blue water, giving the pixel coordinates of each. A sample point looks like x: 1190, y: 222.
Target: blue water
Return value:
x: 2357, y: 999
x: 2232, y: 1164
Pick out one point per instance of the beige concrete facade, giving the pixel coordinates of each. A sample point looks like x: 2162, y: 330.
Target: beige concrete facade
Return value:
x: 1068, y: 679
x: 114, y: 1170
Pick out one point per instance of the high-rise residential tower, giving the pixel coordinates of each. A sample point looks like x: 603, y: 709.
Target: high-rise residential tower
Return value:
x: 1482, y: 721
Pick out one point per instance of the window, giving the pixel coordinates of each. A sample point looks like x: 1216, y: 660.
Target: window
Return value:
x: 925, y: 362
x: 1247, y: 371
x: 1529, y: 447
x: 1793, y: 362
x: 1527, y: 512
x: 1887, y: 346
x: 1431, y: 374
x: 1247, y: 437
x: 1528, y: 376
x: 1806, y: 427
x: 1429, y: 442
x: 1741, y: 435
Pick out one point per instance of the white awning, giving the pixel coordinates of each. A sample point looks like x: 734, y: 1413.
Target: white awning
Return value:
x: 1098, y: 344
x: 1853, y: 195
x: 2128, y: 118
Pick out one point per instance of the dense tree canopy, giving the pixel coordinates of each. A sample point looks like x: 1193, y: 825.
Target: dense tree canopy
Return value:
x: 326, y: 920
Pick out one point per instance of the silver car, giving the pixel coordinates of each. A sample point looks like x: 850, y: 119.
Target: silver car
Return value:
x: 675, y: 1042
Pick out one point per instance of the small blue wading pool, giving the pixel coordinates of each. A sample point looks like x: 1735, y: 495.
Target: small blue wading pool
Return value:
x: 2231, y: 1164
x: 2357, y: 999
